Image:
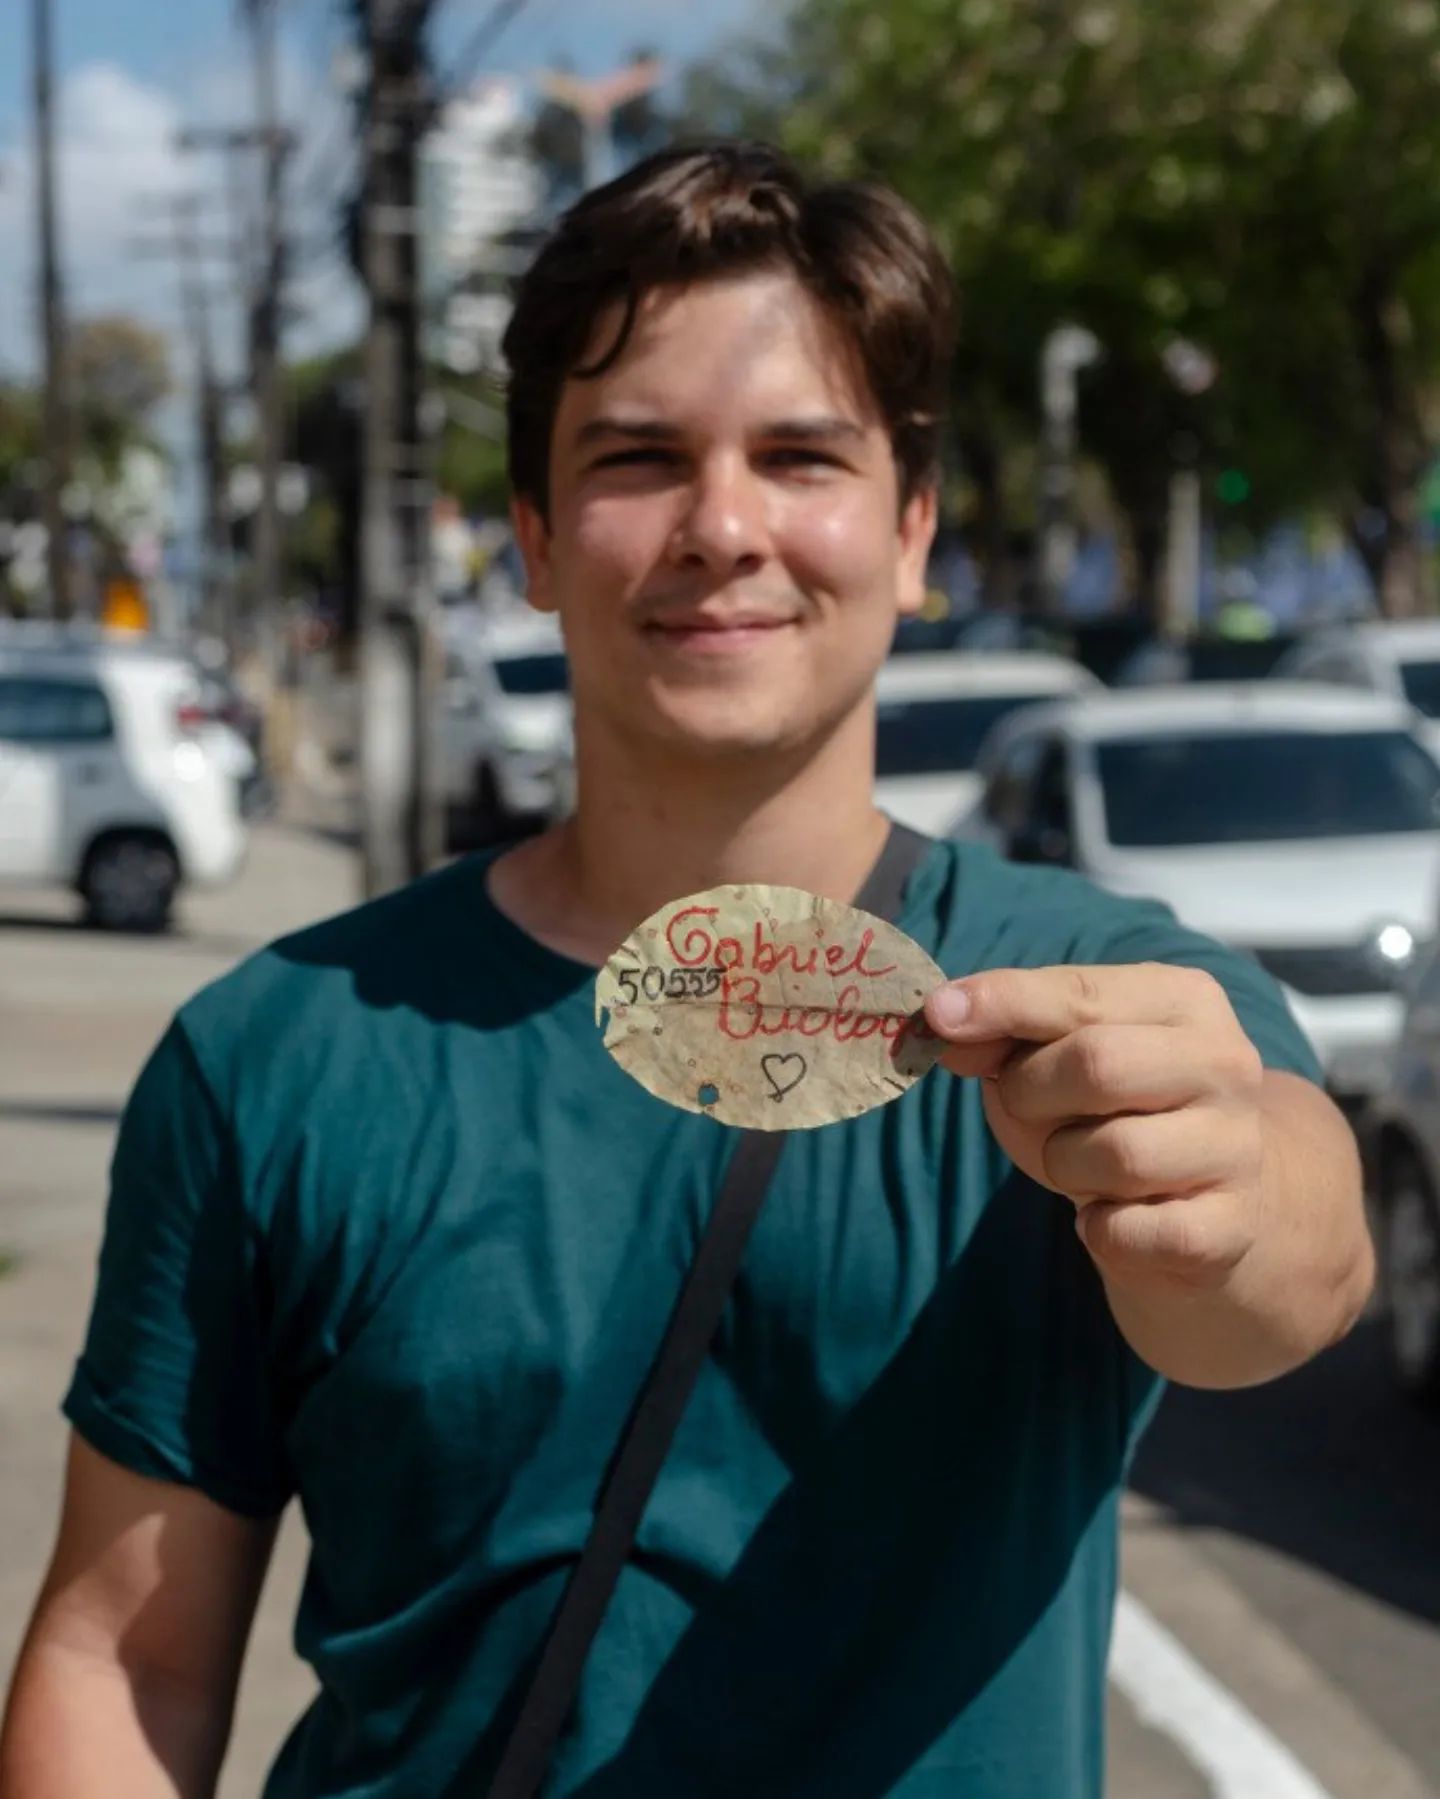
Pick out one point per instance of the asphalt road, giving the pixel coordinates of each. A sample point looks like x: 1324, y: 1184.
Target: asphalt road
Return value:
x: 1283, y: 1543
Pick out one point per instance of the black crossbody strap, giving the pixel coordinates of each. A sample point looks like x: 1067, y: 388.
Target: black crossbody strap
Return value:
x: 646, y: 1440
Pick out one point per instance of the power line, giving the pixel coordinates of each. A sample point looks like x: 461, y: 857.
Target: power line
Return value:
x: 478, y: 47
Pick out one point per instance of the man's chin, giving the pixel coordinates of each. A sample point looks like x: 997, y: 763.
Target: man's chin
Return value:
x: 721, y: 731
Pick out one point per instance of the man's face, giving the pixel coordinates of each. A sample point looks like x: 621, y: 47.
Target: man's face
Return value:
x: 726, y: 547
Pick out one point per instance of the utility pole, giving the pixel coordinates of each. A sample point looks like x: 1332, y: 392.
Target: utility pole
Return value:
x: 237, y: 145
x: 216, y: 608
x: 265, y: 336
x: 401, y: 829
x: 56, y: 421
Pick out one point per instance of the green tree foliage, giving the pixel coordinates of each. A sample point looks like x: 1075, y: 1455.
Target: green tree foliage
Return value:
x: 119, y: 373
x: 1260, y: 177
x: 325, y: 399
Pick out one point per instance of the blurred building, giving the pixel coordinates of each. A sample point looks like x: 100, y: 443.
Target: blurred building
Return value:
x: 479, y: 185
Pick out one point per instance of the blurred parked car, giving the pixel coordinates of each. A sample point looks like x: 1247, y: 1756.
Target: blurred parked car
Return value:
x: 1402, y: 1131
x: 1400, y: 657
x: 1292, y: 821
x: 506, y: 733
x: 114, y: 779
x: 934, y: 713
x: 240, y: 745
x: 985, y: 628
x: 1159, y: 662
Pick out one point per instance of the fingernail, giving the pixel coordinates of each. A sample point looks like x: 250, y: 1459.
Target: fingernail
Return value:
x: 949, y: 1008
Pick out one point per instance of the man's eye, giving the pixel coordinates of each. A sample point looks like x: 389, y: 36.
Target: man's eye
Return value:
x: 800, y: 457
x: 633, y: 458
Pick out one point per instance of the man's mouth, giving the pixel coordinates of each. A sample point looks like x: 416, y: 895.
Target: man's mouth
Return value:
x: 717, y: 633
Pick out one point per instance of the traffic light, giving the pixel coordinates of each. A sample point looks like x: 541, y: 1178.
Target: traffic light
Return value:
x: 1232, y: 488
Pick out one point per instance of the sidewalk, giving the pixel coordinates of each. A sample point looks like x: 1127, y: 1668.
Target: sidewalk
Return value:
x: 81, y: 1012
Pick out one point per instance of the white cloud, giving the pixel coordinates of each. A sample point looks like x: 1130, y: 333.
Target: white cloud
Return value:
x: 116, y: 163
x: 114, y: 157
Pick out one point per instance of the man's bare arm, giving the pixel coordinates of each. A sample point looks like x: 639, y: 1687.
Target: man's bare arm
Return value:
x: 126, y: 1681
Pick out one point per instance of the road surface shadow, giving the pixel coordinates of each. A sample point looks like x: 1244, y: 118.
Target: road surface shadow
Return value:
x: 33, y: 921
x: 210, y: 943
x: 40, y: 1111
x: 1330, y: 1465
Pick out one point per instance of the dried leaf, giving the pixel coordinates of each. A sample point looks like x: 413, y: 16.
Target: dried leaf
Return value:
x: 769, y: 1007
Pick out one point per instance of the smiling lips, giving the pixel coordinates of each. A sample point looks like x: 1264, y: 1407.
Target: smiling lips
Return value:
x: 716, y: 633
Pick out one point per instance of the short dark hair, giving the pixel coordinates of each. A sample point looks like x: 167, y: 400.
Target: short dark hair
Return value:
x: 706, y: 211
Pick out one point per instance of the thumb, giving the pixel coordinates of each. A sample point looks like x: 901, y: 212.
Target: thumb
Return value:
x: 947, y: 1012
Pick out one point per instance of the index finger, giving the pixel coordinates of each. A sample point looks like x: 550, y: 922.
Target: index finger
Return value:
x: 1042, y: 1005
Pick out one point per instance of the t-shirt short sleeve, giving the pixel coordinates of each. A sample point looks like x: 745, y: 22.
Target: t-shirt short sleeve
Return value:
x: 172, y: 1381
x: 1146, y: 931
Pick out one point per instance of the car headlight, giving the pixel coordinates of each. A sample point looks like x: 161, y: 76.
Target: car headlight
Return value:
x: 527, y: 737
x: 1393, y: 948
x: 189, y: 761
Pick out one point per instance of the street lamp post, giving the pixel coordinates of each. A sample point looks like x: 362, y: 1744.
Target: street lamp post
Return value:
x: 595, y: 102
x: 1192, y: 370
x: 1067, y: 350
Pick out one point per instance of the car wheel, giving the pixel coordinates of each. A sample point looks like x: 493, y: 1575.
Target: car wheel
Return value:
x: 1409, y: 1248
x: 128, y: 883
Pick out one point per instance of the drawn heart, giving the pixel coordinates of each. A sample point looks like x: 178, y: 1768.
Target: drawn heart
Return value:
x: 784, y: 1073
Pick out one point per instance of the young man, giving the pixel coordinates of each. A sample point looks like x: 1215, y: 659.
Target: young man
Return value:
x: 390, y: 1232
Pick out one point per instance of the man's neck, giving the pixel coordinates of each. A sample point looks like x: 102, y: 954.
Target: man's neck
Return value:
x: 644, y: 834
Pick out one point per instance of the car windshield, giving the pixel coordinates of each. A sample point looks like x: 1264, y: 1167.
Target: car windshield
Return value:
x: 1421, y: 681
x: 546, y: 672
x: 928, y: 737
x: 1265, y: 786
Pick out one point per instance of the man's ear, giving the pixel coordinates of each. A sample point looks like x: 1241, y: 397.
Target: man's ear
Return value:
x: 917, y: 533
x: 532, y: 535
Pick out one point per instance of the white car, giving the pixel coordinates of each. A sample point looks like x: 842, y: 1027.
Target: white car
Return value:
x: 1296, y: 822
x: 1399, y: 657
x: 506, y: 733
x: 1402, y: 1128
x: 114, y: 778
x: 934, y: 711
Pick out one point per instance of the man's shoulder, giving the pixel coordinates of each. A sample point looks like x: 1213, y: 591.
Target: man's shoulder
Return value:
x: 984, y: 910
x: 388, y: 952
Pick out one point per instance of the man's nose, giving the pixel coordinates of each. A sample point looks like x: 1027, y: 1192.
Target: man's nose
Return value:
x: 724, y: 527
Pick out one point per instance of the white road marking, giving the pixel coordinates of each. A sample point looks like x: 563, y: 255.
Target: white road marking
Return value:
x: 1170, y: 1691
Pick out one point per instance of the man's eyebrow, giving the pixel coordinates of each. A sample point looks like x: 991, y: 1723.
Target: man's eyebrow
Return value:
x: 824, y: 428
x: 645, y: 430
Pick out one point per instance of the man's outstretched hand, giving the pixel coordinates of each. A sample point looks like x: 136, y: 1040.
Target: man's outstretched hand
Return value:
x: 1134, y: 1092
x: 1221, y: 1202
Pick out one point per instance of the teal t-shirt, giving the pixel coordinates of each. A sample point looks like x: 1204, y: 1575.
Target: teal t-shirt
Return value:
x: 390, y: 1231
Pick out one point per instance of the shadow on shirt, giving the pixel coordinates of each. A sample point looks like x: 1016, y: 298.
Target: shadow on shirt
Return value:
x: 905, y: 1567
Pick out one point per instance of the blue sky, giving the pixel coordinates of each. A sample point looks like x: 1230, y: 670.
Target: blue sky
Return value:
x: 130, y: 71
